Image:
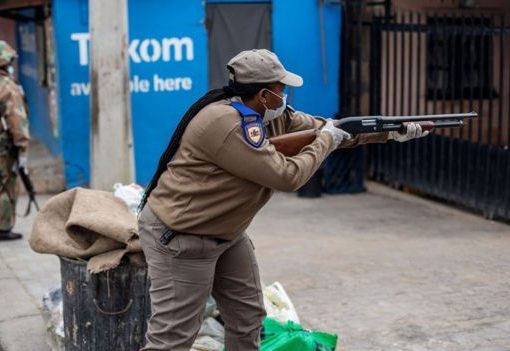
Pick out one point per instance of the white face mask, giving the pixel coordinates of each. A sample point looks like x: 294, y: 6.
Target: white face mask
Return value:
x: 271, y: 114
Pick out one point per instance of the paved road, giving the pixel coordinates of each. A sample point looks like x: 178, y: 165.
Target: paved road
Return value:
x: 389, y: 271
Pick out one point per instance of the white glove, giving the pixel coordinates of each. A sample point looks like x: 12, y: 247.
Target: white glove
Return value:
x: 23, y: 162
x: 338, y: 134
x: 413, y: 131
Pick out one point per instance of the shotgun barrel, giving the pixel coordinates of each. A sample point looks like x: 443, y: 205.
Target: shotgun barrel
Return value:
x: 375, y: 124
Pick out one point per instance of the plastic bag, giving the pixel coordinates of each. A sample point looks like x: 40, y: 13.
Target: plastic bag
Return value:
x: 53, y: 314
x: 131, y: 194
x: 206, y: 343
x: 211, y: 309
x: 291, y: 336
x: 278, y: 305
x: 210, y: 337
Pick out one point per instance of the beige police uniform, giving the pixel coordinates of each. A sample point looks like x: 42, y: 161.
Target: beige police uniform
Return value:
x: 209, y: 194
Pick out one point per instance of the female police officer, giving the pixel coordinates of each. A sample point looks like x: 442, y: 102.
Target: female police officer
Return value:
x: 216, y: 173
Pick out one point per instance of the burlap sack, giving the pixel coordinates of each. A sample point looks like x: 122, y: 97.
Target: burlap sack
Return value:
x: 88, y: 224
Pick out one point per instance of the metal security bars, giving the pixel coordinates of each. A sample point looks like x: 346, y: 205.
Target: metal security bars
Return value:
x: 423, y: 63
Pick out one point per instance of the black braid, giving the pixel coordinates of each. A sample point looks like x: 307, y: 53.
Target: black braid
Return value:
x: 233, y: 89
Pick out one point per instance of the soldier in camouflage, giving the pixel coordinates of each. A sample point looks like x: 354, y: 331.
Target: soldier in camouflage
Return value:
x: 13, y: 133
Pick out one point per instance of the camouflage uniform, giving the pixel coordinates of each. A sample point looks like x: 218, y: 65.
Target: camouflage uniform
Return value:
x: 14, y: 112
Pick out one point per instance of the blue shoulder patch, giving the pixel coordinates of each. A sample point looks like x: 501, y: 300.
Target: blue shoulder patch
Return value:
x: 253, y: 128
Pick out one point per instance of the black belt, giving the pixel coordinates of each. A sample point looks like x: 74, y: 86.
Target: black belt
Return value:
x: 169, y: 234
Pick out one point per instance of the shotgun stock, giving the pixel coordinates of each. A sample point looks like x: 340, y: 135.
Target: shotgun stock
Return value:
x: 291, y: 144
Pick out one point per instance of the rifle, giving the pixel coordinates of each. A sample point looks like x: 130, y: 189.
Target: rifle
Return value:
x: 29, y: 187
x: 292, y: 143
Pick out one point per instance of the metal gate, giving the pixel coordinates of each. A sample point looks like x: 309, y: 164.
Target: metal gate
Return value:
x: 429, y: 63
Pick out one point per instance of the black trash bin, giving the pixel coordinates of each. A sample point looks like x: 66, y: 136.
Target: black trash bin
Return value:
x: 104, y: 311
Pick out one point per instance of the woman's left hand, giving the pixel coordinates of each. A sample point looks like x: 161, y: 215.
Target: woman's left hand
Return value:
x: 413, y: 131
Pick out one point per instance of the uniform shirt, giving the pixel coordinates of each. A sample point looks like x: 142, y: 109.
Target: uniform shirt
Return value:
x: 217, y: 181
x: 13, y: 110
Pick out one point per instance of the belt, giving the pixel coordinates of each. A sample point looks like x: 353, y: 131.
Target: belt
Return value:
x: 169, y: 234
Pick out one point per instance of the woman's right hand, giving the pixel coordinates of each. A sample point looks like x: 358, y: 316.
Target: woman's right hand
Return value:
x: 338, y: 134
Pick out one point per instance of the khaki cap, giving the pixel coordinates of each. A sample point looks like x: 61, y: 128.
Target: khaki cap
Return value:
x: 261, y: 66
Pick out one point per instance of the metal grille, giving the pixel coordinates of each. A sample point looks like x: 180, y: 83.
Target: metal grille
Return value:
x: 428, y: 63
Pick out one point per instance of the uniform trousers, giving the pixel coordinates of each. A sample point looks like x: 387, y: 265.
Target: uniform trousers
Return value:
x: 184, y: 272
x: 8, y: 192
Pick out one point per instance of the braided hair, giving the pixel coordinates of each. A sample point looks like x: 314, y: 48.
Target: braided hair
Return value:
x: 245, y: 91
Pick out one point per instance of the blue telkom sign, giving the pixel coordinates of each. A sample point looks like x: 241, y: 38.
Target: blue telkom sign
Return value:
x: 168, y: 67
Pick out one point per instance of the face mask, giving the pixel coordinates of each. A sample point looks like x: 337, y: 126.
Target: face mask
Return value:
x: 10, y: 70
x: 271, y: 114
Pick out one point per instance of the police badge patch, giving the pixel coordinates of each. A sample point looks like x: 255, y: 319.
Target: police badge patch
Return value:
x: 253, y: 129
x: 253, y: 133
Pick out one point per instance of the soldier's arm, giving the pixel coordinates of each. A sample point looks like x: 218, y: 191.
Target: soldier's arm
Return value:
x: 17, y: 120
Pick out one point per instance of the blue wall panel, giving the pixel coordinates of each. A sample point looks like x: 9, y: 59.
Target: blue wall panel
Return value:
x: 42, y: 127
x: 168, y: 70
x: 72, y: 17
x: 297, y: 41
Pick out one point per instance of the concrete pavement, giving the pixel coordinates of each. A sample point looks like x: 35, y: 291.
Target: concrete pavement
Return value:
x: 389, y: 271
x: 384, y: 270
x: 24, y: 277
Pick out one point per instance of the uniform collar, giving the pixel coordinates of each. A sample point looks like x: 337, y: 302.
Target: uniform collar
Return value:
x: 235, y: 98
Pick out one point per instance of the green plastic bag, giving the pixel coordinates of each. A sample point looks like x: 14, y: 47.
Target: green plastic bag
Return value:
x: 292, y: 337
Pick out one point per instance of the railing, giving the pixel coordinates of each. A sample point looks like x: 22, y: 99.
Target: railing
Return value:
x: 430, y: 63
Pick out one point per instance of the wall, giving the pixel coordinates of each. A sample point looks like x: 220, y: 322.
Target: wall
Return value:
x: 8, y: 31
x: 297, y: 41
x: 42, y: 127
x: 452, y: 5
x: 164, y: 82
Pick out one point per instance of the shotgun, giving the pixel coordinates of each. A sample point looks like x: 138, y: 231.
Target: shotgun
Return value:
x: 291, y: 144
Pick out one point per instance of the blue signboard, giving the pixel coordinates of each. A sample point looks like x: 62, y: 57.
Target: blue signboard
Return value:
x: 168, y: 67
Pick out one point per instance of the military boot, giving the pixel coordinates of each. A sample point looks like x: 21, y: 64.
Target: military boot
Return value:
x: 8, y: 235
